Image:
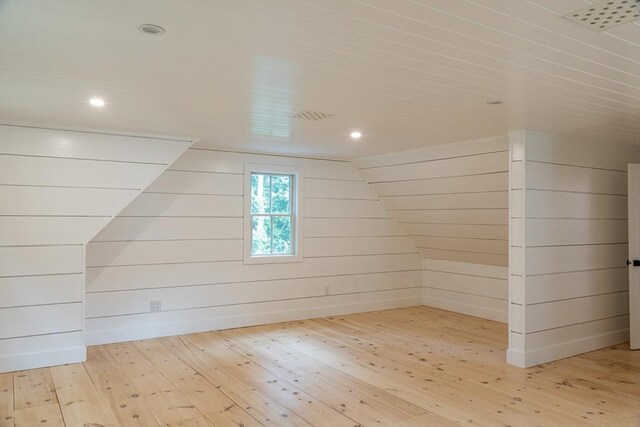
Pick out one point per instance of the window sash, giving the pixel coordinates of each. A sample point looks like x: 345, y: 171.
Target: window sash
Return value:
x: 270, y: 215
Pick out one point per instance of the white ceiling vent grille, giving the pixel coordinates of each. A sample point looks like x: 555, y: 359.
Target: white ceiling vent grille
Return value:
x: 312, y: 115
x: 605, y: 14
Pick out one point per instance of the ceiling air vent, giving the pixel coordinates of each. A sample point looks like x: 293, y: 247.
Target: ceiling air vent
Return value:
x: 312, y: 115
x: 604, y: 14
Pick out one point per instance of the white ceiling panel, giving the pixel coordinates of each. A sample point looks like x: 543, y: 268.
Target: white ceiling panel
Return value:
x: 407, y: 74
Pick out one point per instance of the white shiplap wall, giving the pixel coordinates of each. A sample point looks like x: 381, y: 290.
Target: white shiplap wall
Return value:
x: 180, y: 242
x: 452, y: 201
x: 57, y: 190
x: 568, y: 280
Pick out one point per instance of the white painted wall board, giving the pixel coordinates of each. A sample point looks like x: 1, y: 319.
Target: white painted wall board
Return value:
x: 41, y: 230
x: 159, y: 228
x: 205, y: 160
x: 547, y: 148
x: 18, y: 322
x: 345, y: 246
x: 458, y: 166
x: 580, y: 179
x: 337, y: 189
x: 443, y: 151
x: 345, y: 227
x: 86, y: 145
x: 571, y: 231
x: 578, y: 284
x: 463, y: 256
x: 336, y: 208
x: 101, y: 254
x: 36, y: 290
x: 58, y: 201
x: 462, y: 244
x: 35, y: 260
x: 459, y: 184
x: 548, y: 204
x: 185, y: 182
x: 559, y: 259
x: 557, y: 314
x: 453, y: 216
x: 20, y: 170
x: 469, y: 231
x: 159, y: 205
x: 487, y: 200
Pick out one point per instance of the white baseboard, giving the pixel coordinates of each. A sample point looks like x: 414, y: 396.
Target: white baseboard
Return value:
x: 471, y: 310
x: 21, y: 362
x: 258, y: 318
x: 516, y: 358
x: 568, y: 349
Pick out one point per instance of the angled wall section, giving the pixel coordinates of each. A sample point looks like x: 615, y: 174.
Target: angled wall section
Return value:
x: 452, y: 201
x: 58, y: 189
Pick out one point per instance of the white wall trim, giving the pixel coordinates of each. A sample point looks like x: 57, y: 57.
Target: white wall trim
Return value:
x: 45, y: 126
x: 468, y: 309
x: 567, y: 349
x: 63, y: 356
x: 196, y: 146
x: 567, y: 140
x: 433, y: 147
x: 243, y: 320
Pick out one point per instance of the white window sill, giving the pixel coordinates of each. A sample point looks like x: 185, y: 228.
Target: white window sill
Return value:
x: 272, y: 259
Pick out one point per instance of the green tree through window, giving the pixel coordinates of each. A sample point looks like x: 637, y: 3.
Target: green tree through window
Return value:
x: 271, y: 214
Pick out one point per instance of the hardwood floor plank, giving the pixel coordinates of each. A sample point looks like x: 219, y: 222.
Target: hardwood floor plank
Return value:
x: 80, y: 402
x: 263, y: 408
x: 122, y: 397
x: 6, y: 399
x: 47, y: 415
x: 218, y: 408
x: 164, y: 399
x: 33, y: 388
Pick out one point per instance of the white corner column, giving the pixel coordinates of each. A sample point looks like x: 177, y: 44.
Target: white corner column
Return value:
x: 568, y: 283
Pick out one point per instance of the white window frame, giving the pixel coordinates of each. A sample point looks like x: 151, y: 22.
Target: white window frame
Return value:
x: 296, y: 213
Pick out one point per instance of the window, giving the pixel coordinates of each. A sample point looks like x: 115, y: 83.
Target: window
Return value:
x: 272, y: 214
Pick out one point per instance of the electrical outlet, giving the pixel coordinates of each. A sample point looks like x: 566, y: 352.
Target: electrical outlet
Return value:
x: 327, y: 290
x: 155, y: 306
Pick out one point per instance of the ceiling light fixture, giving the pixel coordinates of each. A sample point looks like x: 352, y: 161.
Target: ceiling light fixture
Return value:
x: 495, y: 102
x: 97, y: 102
x: 355, y: 134
x: 152, y: 29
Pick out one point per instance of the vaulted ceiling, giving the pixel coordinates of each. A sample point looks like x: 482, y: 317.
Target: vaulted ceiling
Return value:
x: 236, y: 73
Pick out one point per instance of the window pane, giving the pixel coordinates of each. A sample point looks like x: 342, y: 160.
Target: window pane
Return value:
x: 260, y: 235
x: 280, y: 194
x: 282, y: 235
x: 260, y: 189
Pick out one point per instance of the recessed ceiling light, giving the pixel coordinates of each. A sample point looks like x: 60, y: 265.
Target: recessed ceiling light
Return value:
x: 97, y: 102
x: 495, y: 102
x: 152, y: 29
x: 355, y: 134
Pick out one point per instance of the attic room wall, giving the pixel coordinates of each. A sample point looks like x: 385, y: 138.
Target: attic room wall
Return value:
x: 452, y: 201
x: 57, y: 190
x: 568, y: 278
x: 180, y: 242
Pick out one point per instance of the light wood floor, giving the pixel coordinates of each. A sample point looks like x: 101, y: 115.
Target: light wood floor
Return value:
x: 408, y: 367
